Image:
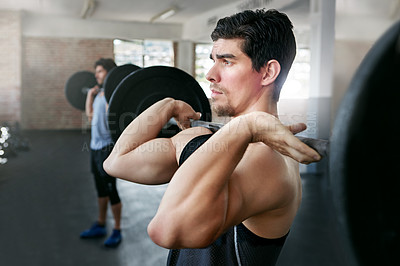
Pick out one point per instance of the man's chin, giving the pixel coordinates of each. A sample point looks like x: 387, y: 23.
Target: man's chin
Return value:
x: 222, y: 110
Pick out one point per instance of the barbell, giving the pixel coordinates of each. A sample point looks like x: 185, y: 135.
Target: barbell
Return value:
x: 362, y: 149
x: 79, y: 83
x: 363, y: 160
x: 136, y: 89
x: 142, y: 88
x: 77, y: 87
x: 115, y: 76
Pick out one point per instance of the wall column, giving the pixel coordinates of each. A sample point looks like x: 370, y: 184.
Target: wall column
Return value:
x: 185, y: 56
x: 322, y: 23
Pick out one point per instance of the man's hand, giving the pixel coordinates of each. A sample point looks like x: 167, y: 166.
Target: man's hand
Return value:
x: 182, y: 113
x: 93, y: 91
x: 267, y: 128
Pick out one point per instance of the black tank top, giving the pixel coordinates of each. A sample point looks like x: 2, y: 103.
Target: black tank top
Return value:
x: 237, y: 246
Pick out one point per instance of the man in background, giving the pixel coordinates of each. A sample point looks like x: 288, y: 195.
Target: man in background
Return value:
x: 101, y: 145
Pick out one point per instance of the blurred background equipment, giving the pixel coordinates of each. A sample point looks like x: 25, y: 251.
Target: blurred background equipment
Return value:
x: 77, y: 87
x: 115, y: 76
x: 11, y: 141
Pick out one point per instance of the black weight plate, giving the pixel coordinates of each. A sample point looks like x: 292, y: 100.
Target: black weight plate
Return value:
x: 364, y: 157
x: 141, y: 89
x: 77, y: 86
x: 115, y: 76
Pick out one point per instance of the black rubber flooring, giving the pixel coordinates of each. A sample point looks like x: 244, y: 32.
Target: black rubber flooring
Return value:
x: 47, y: 198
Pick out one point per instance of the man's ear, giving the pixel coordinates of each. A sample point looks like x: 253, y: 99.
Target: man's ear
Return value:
x: 271, y: 72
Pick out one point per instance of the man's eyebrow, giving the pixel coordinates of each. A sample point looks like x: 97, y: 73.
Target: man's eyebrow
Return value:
x: 222, y: 56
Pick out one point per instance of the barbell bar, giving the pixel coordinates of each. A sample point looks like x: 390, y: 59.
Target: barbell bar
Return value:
x: 319, y: 145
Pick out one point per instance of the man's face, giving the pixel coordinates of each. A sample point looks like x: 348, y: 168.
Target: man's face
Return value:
x: 100, y: 74
x: 235, y: 85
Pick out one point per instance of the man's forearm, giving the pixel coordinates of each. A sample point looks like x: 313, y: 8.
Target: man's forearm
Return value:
x: 89, y: 106
x: 89, y: 101
x: 144, y: 127
x: 139, y: 156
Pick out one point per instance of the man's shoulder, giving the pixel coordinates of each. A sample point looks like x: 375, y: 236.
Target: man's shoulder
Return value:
x: 261, y: 152
x: 180, y: 140
x: 269, y: 163
x: 186, y: 135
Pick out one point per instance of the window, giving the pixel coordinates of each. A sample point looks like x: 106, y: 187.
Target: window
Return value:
x: 298, y: 81
x: 144, y: 53
x: 202, y: 65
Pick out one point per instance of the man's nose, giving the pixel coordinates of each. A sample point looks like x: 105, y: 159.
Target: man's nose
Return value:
x: 212, y: 75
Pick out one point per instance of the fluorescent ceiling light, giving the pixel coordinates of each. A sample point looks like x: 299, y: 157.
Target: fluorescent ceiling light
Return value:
x: 165, y: 14
x: 88, y: 8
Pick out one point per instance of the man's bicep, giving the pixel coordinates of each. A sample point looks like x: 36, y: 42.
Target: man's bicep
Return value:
x: 153, y: 162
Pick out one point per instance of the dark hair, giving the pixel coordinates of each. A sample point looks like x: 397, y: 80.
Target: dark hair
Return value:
x: 106, y: 63
x: 267, y: 34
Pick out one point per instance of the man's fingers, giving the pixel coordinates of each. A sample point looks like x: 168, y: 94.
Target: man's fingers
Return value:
x: 305, y: 154
x: 297, y: 128
x: 184, y: 122
x: 298, y: 151
x: 197, y: 116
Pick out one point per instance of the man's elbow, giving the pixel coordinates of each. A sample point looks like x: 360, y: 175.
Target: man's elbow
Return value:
x: 109, y: 166
x: 161, y: 236
x: 89, y: 114
x: 170, y: 235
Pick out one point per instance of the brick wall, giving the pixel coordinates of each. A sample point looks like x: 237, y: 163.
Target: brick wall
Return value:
x: 10, y: 66
x: 47, y: 63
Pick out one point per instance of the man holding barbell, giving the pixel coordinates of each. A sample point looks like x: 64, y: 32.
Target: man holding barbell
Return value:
x: 232, y: 195
x: 100, y: 147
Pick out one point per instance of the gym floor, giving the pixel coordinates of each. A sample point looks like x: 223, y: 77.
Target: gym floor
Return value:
x: 47, y: 198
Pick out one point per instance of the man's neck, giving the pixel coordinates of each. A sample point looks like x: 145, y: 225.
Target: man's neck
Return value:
x: 270, y: 106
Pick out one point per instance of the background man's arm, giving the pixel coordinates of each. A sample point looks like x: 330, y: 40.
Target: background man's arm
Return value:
x: 89, y: 102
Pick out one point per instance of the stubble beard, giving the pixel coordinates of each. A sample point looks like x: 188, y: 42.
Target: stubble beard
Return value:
x: 222, y: 110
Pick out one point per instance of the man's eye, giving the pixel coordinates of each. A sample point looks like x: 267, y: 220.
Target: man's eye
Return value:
x: 226, y: 62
